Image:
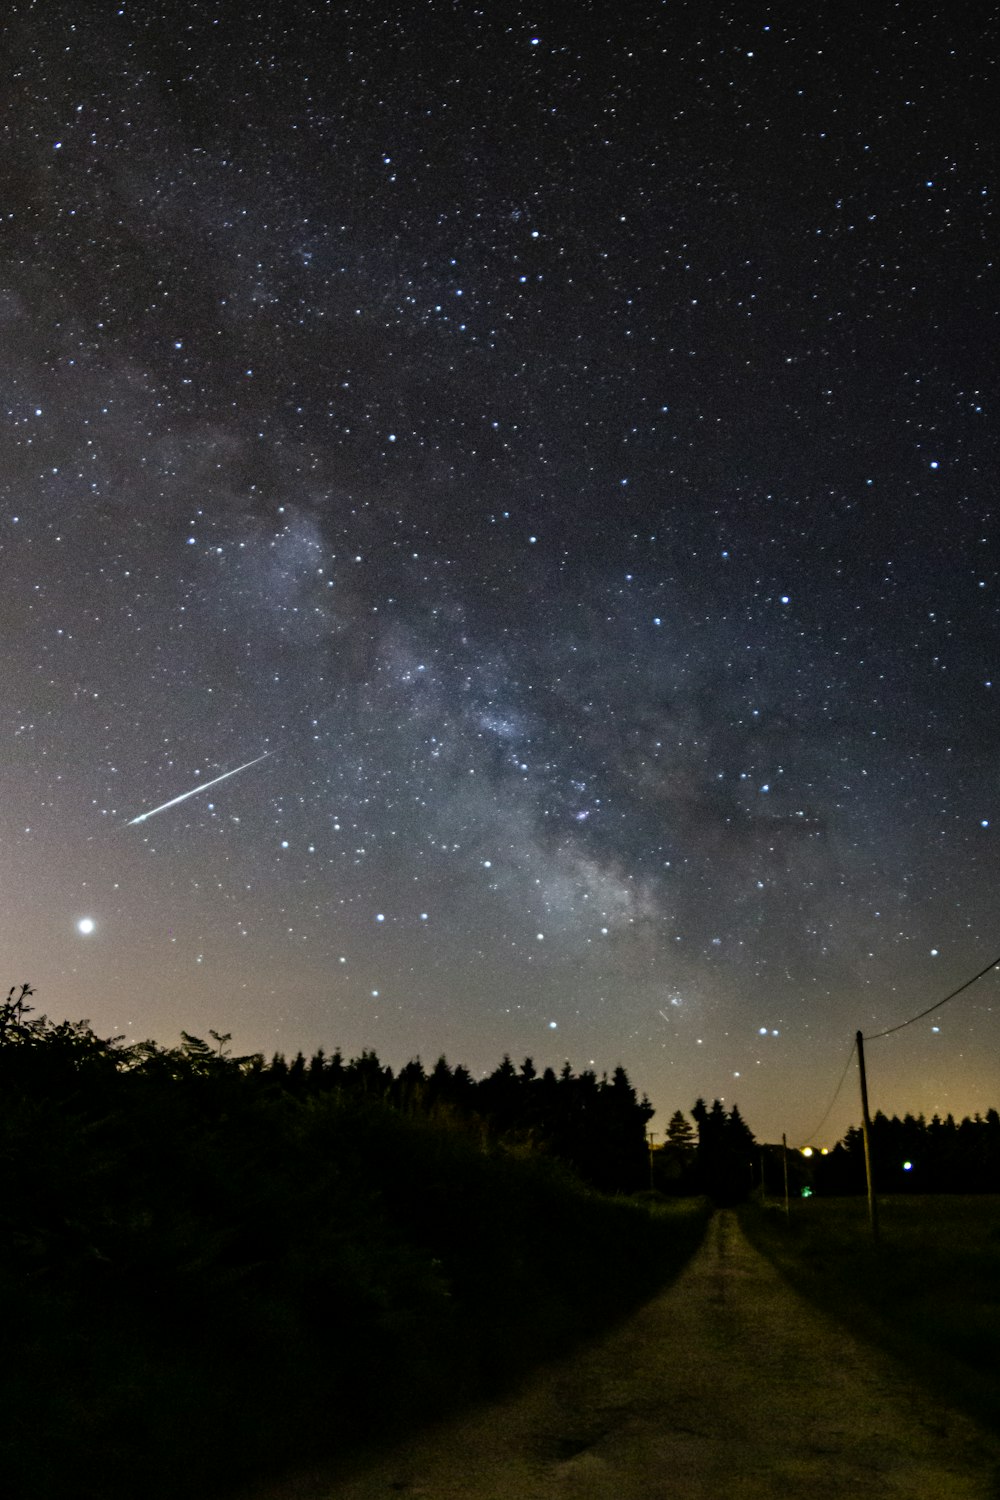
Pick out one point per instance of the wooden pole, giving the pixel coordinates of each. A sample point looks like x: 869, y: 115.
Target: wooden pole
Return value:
x: 866, y: 1133
x: 784, y: 1161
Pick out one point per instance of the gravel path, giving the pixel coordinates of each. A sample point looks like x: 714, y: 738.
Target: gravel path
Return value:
x: 725, y: 1387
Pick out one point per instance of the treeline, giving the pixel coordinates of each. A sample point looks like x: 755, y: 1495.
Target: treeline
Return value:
x: 715, y: 1156
x: 597, y: 1126
x: 916, y: 1155
x: 212, y: 1266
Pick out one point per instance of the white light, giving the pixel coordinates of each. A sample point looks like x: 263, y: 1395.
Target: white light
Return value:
x: 86, y: 926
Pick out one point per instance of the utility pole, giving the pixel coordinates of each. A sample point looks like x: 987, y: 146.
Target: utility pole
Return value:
x: 651, y: 1137
x: 784, y: 1163
x: 866, y: 1125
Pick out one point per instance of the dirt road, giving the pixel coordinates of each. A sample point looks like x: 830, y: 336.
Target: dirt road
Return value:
x: 725, y: 1387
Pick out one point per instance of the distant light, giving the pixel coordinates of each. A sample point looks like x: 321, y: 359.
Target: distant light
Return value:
x: 86, y: 926
x: 907, y: 1166
x: 807, y: 1151
x: 934, y: 463
x: 807, y: 1192
x: 553, y: 1025
x: 380, y: 917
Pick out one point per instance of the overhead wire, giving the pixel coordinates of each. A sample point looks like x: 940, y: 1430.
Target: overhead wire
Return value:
x: 814, y: 1133
x: 994, y: 963
x: 936, y: 1006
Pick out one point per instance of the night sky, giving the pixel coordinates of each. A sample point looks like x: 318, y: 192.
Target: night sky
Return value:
x: 563, y: 441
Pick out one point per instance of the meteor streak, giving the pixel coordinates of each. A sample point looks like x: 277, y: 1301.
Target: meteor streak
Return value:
x: 196, y: 789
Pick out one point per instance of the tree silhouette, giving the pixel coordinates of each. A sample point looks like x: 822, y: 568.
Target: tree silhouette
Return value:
x: 725, y: 1152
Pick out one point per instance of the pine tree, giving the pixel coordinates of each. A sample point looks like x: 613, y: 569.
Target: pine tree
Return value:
x: 681, y: 1136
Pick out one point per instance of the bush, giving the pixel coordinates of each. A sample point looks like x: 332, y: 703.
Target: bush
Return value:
x: 207, y: 1274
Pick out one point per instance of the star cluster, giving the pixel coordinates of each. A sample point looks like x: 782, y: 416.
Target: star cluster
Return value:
x: 564, y: 441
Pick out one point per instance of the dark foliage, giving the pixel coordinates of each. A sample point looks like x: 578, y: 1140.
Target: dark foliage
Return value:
x: 596, y: 1126
x: 725, y: 1155
x: 943, y: 1157
x: 210, y: 1265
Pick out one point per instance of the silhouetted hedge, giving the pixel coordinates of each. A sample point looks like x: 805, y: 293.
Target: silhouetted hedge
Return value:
x: 206, y: 1273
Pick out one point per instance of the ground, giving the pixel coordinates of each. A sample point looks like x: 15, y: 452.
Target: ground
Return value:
x: 725, y: 1385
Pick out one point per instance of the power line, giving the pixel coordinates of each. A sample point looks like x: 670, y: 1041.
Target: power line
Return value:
x: 814, y: 1133
x: 937, y: 1006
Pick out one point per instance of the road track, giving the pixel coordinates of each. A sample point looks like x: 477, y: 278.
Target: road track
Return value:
x: 726, y: 1386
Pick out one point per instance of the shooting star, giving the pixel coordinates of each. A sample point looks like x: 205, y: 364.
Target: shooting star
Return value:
x: 196, y: 789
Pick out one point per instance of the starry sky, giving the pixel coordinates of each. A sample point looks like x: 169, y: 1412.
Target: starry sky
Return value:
x: 562, y: 442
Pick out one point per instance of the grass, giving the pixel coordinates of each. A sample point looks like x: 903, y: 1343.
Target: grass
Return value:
x: 929, y: 1292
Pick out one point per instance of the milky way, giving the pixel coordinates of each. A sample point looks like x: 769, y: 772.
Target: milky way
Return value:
x: 567, y: 439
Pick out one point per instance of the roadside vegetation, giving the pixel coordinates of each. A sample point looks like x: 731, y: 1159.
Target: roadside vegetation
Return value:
x: 928, y: 1292
x: 214, y: 1267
